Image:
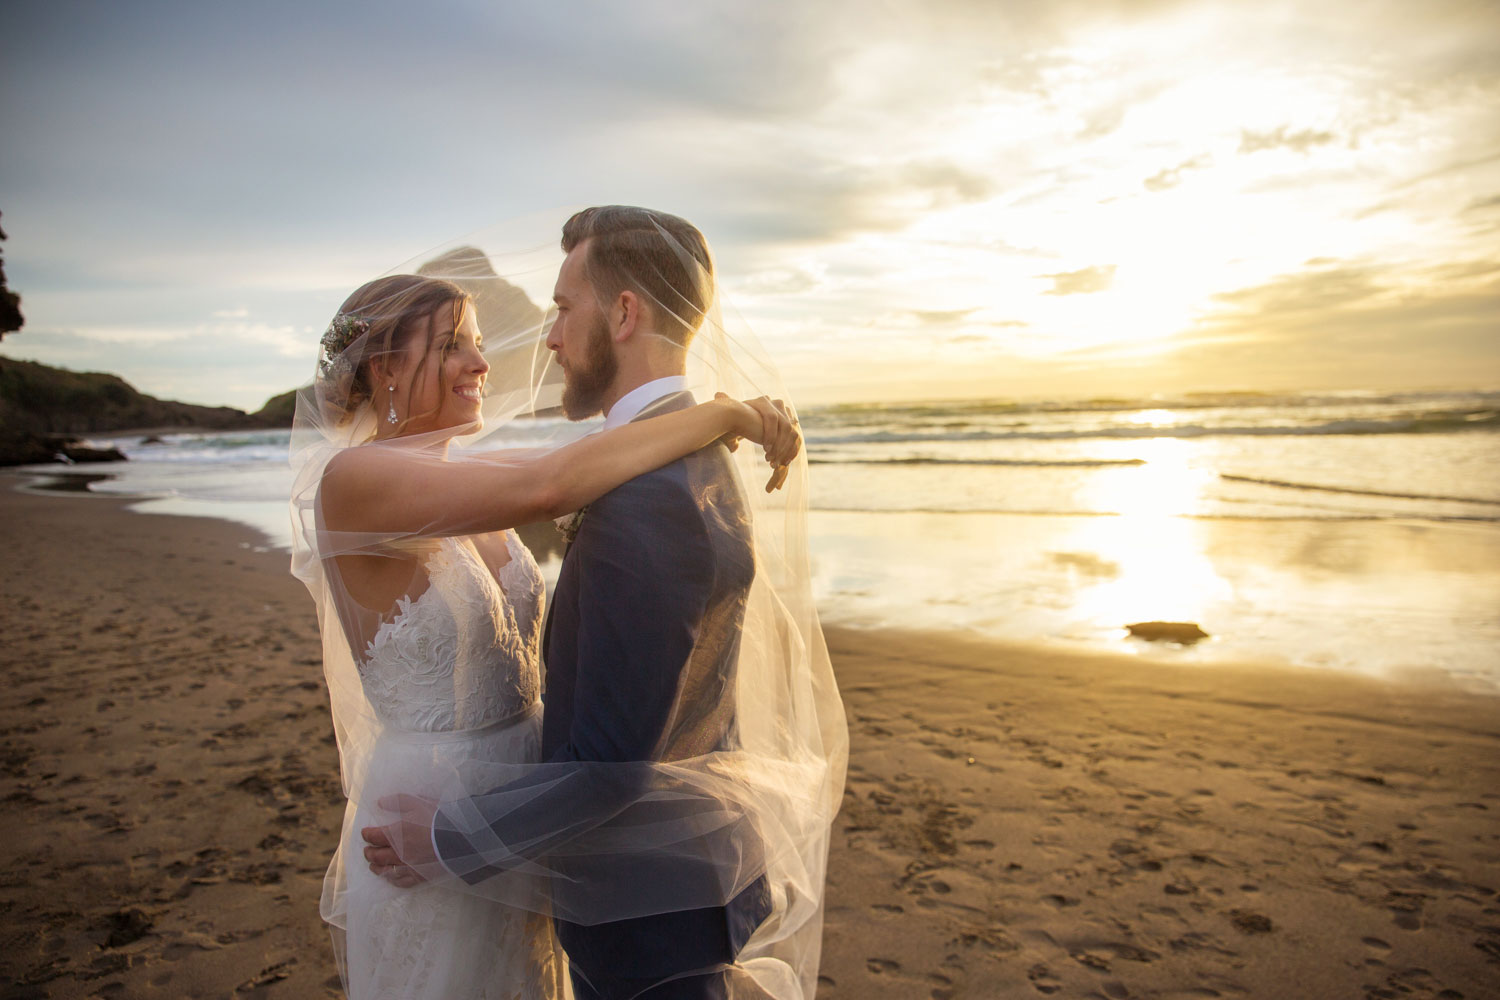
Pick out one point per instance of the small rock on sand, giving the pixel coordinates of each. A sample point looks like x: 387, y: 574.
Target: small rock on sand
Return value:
x: 1170, y: 631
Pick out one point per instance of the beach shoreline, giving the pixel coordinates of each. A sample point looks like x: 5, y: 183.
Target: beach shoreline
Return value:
x: 1391, y: 593
x: 1018, y: 820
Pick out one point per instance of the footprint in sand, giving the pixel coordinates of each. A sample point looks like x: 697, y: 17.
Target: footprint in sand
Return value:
x: 1042, y: 979
x: 178, y: 950
x: 1412, y: 983
x: 1406, y: 909
x: 125, y: 927
x: 1378, y: 947
x: 1132, y: 953
x: 270, y: 974
x: 882, y: 966
x: 1250, y: 922
x: 1096, y: 962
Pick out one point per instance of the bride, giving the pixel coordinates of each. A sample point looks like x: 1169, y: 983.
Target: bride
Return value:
x: 430, y: 607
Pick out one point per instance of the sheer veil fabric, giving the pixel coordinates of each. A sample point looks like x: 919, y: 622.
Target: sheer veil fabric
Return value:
x: 709, y: 814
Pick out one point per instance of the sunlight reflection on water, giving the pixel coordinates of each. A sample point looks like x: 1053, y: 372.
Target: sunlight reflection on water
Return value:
x: 1372, y: 597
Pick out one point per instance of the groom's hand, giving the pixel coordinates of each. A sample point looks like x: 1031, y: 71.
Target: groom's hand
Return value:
x: 397, y: 850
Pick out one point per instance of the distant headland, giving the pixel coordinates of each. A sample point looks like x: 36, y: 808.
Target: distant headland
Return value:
x: 45, y: 410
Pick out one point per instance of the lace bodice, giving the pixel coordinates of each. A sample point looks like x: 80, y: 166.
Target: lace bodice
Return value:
x: 455, y: 659
x: 463, y: 654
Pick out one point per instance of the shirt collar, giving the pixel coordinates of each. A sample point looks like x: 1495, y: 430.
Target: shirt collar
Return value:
x: 633, y: 402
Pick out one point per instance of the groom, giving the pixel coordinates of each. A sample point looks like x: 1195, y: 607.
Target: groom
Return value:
x: 642, y: 637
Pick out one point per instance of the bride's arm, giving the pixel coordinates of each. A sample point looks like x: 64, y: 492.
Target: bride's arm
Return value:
x: 390, y: 490
x: 780, y: 435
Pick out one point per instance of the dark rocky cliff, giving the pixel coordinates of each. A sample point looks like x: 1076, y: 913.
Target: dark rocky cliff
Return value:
x: 43, y: 408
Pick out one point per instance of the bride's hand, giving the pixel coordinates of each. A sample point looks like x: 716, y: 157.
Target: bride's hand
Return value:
x: 769, y: 423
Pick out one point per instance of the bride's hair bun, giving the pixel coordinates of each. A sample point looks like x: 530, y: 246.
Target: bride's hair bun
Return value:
x: 378, y: 321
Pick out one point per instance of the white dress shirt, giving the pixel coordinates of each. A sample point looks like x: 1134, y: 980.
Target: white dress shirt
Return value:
x: 628, y: 406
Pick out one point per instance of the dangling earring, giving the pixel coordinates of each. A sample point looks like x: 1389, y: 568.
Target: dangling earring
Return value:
x: 390, y: 415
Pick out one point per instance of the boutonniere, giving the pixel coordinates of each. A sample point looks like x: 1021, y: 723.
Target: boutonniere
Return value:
x: 568, y: 524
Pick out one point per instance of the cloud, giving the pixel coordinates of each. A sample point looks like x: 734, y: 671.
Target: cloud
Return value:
x: 1464, y: 270
x: 1353, y: 323
x: 1006, y: 249
x: 286, y: 341
x: 1102, y: 121
x: 1448, y: 169
x: 786, y: 194
x: 1281, y: 138
x: 1085, y: 281
x: 1408, y: 192
x: 946, y: 183
x: 126, y: 336
x: 1326, y: 285
x: 777, y: 281
x: 784, y: 203
x: 240, y: 313
x: 1170, y: 177
x: 936, y: 317
x: 996, y: 246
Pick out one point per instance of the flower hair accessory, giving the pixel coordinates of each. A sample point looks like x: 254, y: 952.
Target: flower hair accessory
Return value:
x: 345, y: 329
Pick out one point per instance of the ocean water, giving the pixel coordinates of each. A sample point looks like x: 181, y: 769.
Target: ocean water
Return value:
x: 1353, y: 531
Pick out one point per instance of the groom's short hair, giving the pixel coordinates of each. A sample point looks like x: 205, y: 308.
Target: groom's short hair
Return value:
x: 654, y: 254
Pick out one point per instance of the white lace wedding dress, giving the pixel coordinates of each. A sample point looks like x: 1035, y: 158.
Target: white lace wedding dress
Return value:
x: 454, y: 677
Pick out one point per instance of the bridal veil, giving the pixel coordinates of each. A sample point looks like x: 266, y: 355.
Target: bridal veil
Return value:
x: 688, y: 831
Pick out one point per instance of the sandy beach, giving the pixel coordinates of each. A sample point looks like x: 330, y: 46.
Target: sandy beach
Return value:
x: 1017, y: 822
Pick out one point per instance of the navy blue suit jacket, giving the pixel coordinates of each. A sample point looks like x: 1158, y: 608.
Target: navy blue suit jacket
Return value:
x: 641, y: 644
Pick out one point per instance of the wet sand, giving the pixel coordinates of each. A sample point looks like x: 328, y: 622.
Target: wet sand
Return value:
x: 1018, y: 822
x: 170, y: 785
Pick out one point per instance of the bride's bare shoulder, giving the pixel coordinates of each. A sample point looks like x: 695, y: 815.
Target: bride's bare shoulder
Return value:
x: 352, y: 478
x: 354, y: 468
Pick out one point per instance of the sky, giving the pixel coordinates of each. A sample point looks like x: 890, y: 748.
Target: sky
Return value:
x: 909, y: 199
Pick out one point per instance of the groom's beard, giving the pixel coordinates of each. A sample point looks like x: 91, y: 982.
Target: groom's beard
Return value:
x: 584, y: 386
